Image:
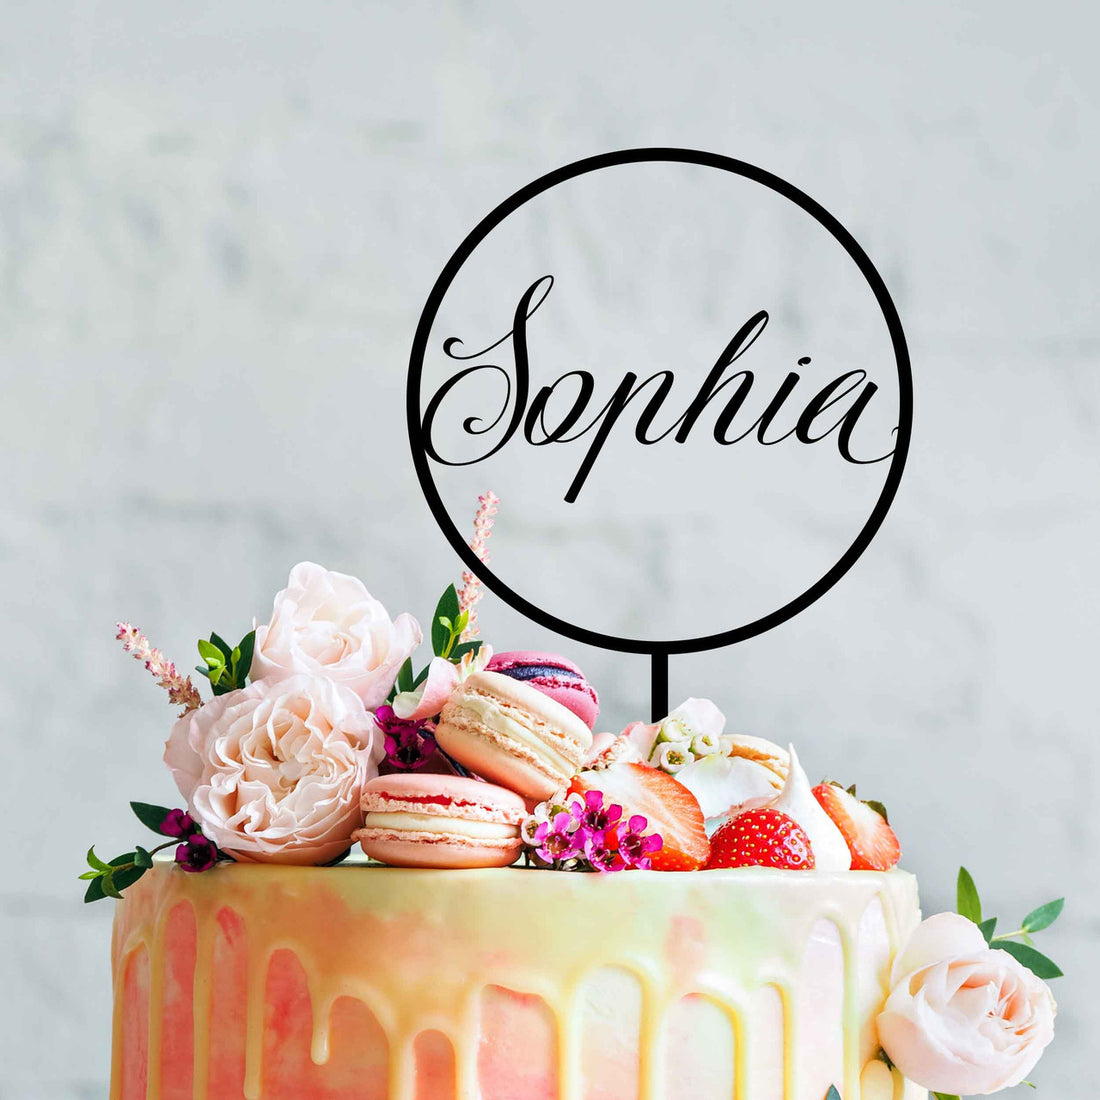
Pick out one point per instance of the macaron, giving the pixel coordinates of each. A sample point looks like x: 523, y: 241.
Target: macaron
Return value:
x: 553, y: 675
x: 513, y: 734
x: 444, y: 821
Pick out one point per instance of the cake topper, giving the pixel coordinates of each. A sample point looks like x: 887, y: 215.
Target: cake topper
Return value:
x: 690, y: 383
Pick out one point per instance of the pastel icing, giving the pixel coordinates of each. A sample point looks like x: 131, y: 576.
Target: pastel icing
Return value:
x: 264, y: 982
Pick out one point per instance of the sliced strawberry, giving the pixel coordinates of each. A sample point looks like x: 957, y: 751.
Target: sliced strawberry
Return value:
x: 761, y: 838
x: 873, y: 844
x: 667, y: 805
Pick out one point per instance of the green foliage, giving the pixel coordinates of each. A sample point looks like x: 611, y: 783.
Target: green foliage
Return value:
x: 226, y: 668
x: 970, y: 906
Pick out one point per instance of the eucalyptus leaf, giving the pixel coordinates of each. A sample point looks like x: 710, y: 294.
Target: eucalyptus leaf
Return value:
x: 1044, y: 916
x: 968, y: 903
x: 152, y: 817
x: 988, y: 927
x: 1035, y: 961
x: 832, y: 1094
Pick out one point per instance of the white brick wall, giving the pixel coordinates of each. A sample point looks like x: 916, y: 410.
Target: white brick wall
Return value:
x: 218, y: 224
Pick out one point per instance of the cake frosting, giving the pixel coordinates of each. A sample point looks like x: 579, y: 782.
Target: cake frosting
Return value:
x: 545, y: 911
x: 372, y: 983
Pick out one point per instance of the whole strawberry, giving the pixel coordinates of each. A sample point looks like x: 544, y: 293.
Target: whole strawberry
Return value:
x: 761, y: 838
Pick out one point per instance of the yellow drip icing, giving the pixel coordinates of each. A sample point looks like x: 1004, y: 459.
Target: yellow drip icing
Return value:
x: 418, y: 947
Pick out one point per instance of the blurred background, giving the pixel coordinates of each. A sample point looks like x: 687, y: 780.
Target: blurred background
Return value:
x: 218, y: 226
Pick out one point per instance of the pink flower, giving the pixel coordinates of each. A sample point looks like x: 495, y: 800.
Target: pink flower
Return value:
x: 180, y: 690
x: 274, y: 771
x: 636, y: 845
x: 328, y: 624
x: 178, y: 823
x: 559, y: 838
x: 593, y: 816
x: 962, y: 1017
x: 427, y: 700
x: 409, y: 744
x: 197, y: 853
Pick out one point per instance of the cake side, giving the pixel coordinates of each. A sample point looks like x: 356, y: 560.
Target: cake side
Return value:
x: 393, y: 984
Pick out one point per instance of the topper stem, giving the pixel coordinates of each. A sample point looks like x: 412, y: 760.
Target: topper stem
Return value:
x: 658, y: 706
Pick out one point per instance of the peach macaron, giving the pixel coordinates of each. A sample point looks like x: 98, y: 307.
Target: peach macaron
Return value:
x: 513, y: 734
x: 445, y: 821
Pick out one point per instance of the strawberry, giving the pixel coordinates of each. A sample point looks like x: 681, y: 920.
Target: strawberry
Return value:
x: 873, y: 844
x: 761, y: 838
x: 669, y: 808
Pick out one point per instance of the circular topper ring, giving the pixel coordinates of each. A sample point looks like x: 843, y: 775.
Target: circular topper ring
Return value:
x: 422, y: 446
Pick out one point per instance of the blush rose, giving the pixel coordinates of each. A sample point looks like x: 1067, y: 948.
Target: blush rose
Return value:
x: 274, y: 772
x: 962, y: 1017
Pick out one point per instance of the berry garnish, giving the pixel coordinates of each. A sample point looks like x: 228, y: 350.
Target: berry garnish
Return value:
x: 761, y: 838
x: 873, y: 844
x: 670, y: 809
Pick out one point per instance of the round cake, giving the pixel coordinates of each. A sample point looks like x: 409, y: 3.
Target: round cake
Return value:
x: 378, y: 983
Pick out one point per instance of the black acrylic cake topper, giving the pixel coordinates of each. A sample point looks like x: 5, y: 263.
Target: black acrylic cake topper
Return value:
x: 421, y: 416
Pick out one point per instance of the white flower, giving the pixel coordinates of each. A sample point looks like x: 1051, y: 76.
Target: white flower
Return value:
x: 963, y: 1018
x: 328, y: 624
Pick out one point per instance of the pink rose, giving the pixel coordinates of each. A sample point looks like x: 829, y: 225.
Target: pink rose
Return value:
x: 962, y: 1017
x: 274, y: 772
x: 328, y: 624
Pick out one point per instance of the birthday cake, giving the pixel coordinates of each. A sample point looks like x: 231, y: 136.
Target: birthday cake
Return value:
x: 534, y: 911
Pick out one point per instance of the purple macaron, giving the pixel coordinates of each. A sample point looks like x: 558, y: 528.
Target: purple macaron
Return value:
x: 554, y: 676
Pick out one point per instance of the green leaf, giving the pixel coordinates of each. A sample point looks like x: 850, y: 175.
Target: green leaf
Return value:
x: 832, y: 1094
x: 447, y: 623
x: 988, y: 927
x: 221, y: 643
x: 244, y: 665
x: 448, y: 609
x: 463, y: 622
x: 463, y: 648
x: 1044, y: 916
x: 405, y: 676
x: 152, y: 817
x: 968, y: 903
x: 89, y: 874
x: 95, y: 890
x: 94, y: 860
x: 123, y: 879
x: 1035, y: 961
x: 107, y: 885
x: 945, y: 1096
x: 212, y: 654
x: 142, y: 858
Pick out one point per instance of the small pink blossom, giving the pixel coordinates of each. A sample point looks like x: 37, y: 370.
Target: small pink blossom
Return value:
x: 409, y: 743
x: 181, y: 691
x: 472, y: 589
x: 559, y: 838
x: 197, y: 853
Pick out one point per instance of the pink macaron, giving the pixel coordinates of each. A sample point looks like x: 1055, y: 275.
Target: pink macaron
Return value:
x: 445, y: 821
x: 554, y: 676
